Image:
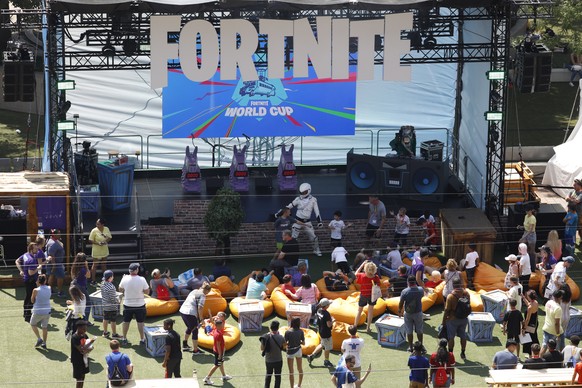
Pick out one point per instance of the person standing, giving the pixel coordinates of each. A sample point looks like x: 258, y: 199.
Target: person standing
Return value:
x: 80, y: 273
x: 324, y: 323
x: 353, y: 347
x: 471, y: 264
x: 41, y: 310
x: 272, y: 345
x: 366, y: 280
x: 456, y: 323
x: 294, y: 339
x: 418, y: 266
x: 524, y: 266
x: 529, y: 230
x: 56, y: 261
x: 173, y: 355
x: 515, y: 291
x: 442, y: 366
x: 81, y: 346
x: 133, y: 287
x: 411, y: 307
x: 558, y: 277
x: 575, y: 198
x: 451, y: 275
x: 419, y: 366
x: 192, y: 312
x: 513, y: 323
x: 343, y: 375
x: 552, y: 328
x: 514, y: 270
x: 99, y: 239
x: 29, y: 271
x: 571, y: 225
x: 336, y: 226
x: 530, y: 322
x: 218, y: 348
x: 376, y: 219
x: 402, y: 228
x: 123, y: 364
x: 110, y: 304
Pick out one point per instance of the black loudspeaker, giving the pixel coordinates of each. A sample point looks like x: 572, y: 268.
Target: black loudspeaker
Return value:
x: 362, y: 174
x: 534, y: 69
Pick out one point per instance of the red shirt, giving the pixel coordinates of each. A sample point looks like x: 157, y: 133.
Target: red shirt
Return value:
x: 434, y: 364
x: 430, y: 230
x: 578, y: 369
x: 218, y: 336
x: 288, y: 286
x: 366, y: 284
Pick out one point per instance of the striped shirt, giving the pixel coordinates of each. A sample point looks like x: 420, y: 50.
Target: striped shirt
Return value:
x: 109, y: 296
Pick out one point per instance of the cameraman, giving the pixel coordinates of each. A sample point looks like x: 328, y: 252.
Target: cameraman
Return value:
x: 272, y: 345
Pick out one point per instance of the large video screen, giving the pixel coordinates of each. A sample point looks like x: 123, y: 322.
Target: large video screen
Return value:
x: 262, y: 108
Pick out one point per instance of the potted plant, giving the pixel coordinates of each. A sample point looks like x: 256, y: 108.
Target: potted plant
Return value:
x: 223, y: 219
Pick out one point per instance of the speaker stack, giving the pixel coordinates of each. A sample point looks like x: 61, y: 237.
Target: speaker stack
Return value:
x: 410, y: 178
x: 534, y: 69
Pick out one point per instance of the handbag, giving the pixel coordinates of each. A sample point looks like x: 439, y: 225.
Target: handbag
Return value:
x: 442, y: 332
x: 530, y: 329
x: 376, y: 292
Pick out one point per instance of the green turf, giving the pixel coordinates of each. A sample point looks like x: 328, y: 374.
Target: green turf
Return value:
x: 13, y: 144
x: 244, y: 362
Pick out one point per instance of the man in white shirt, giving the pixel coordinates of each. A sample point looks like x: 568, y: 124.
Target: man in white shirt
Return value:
x: 558, y: 277
x: 133, y: 287
x: 353, y: 346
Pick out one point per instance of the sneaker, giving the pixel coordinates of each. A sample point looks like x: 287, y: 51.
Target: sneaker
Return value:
x: 207, y: 381
x: 115, y: 335
x: 38, y: 342
x: 571, y: 84
x: 328, y: 364
x: 463, y: 356
x: 226, y: 377
x: 43, y: 345
x: 185, y: 346
x: 310, y: 359
x: 106, y: 334
x: 142, y: 341
x: 124, y: 342
x: 317, y: 253
x: 197, y: 352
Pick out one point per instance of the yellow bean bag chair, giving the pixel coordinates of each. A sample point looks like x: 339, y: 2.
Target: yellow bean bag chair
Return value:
x: 489, y: 278
x: 573, y: 287
x: 311, y: 340
x: 427, y: 302
x: 231, y: 337
x: 339, y: 333
x: 379, y: 307
x: 325, y: 293
x: 344, y: 311
x: 535, y: 279
x: 214, y: 302
x: 476, y: 301
x: 432, y: 261
x: 156, y: 307
x: 234, y: 304
x: 227, y: 288
x: 274, y: 282
x: 280, y: 301
x: 438, y: 290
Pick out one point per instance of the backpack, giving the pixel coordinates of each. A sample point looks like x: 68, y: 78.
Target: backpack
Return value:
x: 162, y: 292
x: 116, y: 379
x: 463, y: 309
x: 441, y: 377
x: 266, y: 340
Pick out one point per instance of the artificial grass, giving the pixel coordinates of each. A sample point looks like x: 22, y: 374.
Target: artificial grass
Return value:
x: 244, y: 362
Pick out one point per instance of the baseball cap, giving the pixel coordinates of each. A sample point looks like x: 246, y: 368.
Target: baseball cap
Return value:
x: 107, y: 274
x: 134, y: 267
x: 569, y: 259
x: 324, y: 302
x: 511, y: 258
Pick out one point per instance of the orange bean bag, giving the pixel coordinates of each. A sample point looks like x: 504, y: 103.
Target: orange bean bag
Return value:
x: 227, y: 288
x: 489, y: 278
x: 274, y: 282
x: 573, y: 287
x: 476, y: 301
x: 379, y: 307
x: 333, y: 294
x: 427, y: 302
x: 432, y: 261
x: 231, y: 337
x: 439, y: 289
x: 156, y: 307
x: 339, y: 333
x: 344, y: 311
x: 280, y: 301
x: 214, y: 302
x: 234, y: 305
x: 311, y: 340
x: 535, y: 280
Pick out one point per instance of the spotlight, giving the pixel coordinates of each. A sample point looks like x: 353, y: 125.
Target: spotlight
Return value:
x: 415, y: 39
x: 108, y: 50
x: 129, y: 47
x: 430, y: 42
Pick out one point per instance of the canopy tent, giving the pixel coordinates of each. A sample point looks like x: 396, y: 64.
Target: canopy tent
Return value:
x: 566, y: 165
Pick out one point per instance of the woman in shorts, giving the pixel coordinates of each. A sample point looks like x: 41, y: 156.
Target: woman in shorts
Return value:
x: 294, y: 338
x: 41, y: 310
x: 366, y: 280
x: 99, y: 238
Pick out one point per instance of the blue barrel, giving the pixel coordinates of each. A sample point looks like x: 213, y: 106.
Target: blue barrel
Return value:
x: 116, y: 184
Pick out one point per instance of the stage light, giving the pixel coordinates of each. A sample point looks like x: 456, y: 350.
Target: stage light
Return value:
x: 66, y: 85
x: 430, y: 42
x: 129, y: 46
x: 65, y: 125
x: 108, y: 50
x: 494, y: 75
x: 493, y: 116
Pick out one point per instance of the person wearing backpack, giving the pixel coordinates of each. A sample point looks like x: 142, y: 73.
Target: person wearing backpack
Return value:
x: 442, y: 366
x: 457, y: 309
x: 272, y: 344
x: 572, y: 352
x: 119, y: 366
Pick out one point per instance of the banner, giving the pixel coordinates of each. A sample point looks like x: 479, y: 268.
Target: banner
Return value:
x: 267, y: 107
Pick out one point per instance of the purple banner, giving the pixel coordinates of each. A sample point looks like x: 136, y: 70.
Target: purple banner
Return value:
x: 52, y: 212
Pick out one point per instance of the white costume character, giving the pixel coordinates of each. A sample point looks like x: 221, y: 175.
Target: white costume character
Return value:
x: 306, y: 204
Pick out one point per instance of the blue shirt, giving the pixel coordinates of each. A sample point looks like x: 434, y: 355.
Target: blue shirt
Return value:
x: 504, y: 359
x: 122, y: 361
x: 56, y: 250
x: 412, y: 297
x: 418, y: 368
x: 254, y: 288
x: 344, y: 376
x: 571, y: 224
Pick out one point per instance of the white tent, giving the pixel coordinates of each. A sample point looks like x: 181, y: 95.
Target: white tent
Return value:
x: 566, y: 164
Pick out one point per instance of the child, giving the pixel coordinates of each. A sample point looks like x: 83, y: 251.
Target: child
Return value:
x: 430, y: 233
x: 513, y: 323
x: 288, y: 288
x: 110, y: 304
x: 419, y: 366
x: 471, y: 263
x: 339, y: 260
x: 353, y: 346
x: 572, y: 352
x: 571, y: 221
x: 284, y: 222
x: 324, y: 323
x: 515, y: 291
x: 336, y: 226
x: 218, y: 334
